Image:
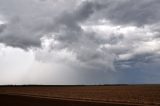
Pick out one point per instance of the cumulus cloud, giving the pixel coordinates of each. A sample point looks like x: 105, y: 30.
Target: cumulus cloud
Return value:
x: 97, y: 36
x: 29, y: 21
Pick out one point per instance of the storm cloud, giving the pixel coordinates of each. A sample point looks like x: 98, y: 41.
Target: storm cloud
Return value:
x: 101, y: 38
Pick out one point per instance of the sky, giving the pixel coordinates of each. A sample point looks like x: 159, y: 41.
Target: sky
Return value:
x: 61, y: 42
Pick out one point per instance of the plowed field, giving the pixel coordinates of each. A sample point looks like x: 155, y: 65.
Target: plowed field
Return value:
x: 123, y: 94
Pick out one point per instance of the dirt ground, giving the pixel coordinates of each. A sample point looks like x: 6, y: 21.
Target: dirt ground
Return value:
x: 123, y: 94
x: 19, y: 100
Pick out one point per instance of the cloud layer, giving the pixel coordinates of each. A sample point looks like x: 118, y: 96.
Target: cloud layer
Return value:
x: 107, y: 38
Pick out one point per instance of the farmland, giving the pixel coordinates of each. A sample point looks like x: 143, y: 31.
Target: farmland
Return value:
x: 119, y: 94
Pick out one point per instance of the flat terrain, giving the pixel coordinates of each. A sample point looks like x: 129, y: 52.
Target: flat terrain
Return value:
x: 117, y: 94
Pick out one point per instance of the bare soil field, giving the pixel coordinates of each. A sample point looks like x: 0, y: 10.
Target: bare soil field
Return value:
x: 83, y: 95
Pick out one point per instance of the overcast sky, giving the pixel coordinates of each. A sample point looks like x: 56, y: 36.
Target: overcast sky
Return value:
x: 79, y: 41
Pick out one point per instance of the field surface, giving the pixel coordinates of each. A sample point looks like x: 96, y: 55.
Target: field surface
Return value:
x: 118, y: 94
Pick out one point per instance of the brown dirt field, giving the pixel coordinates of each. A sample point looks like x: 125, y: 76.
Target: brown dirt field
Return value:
x: 131, y: 94
x: 21, y: 100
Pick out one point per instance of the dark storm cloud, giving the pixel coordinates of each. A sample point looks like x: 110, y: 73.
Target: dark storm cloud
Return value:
x: 134, y: 12
x: 14, y: 34
x: 29, y: 23
x: 101, y: 35
x: 30, y: 20
x: 2, y: 28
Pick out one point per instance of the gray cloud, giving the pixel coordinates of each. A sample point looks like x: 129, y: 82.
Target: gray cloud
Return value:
x: 129, y: 12
x: 2, y: 27
x: 29, y: 21
x: 103, y: 35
